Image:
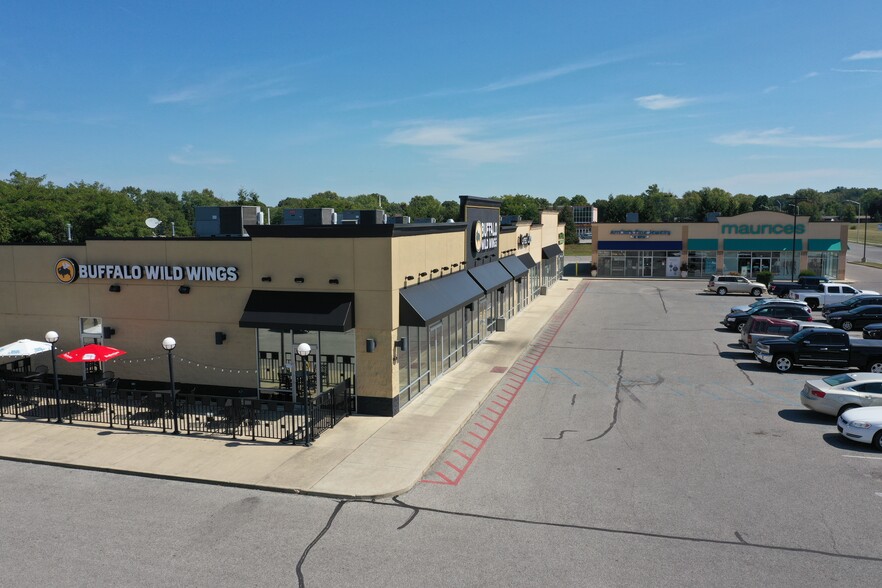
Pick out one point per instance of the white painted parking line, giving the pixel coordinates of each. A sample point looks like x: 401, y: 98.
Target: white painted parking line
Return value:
x: 862, y: 457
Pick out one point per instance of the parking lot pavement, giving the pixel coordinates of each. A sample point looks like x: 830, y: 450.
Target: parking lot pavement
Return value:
x: 645, y: 416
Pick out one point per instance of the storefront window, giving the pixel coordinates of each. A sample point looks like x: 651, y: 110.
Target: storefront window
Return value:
x: 331, y: 359
x: 824, y: 263
x: 638, y: 264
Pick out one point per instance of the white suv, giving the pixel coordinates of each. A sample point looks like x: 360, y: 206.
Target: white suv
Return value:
x: 723, y: 285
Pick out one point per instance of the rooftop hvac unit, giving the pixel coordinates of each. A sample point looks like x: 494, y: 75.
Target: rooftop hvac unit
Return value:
x: 225, y: 221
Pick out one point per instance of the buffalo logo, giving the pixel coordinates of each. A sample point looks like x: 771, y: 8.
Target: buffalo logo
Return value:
x: 66, y: 270
x: 478, y: 236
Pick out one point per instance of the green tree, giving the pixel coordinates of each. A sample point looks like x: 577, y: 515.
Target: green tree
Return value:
x: 424, y: 207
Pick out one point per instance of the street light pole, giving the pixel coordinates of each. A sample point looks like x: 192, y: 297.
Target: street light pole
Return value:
x: 52, y: 338
x: 303, y: 350
x: 864, y: 258
x: 169, y: 345
x: 793, y: 252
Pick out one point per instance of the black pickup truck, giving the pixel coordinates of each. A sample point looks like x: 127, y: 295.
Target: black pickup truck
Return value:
x: 831, y: 348
x: 782, y: 289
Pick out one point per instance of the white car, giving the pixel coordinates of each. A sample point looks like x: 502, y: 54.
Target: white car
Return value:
x: 836, y: 394
x: 862, y: 424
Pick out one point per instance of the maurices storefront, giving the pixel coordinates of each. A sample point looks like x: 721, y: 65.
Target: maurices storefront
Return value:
x: 745, y: 244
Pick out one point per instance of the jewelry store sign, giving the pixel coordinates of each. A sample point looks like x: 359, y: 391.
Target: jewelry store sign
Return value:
x: 67, y: 270
x: 639, y: 233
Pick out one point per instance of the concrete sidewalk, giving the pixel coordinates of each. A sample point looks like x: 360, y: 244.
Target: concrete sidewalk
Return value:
x: 362, y: 456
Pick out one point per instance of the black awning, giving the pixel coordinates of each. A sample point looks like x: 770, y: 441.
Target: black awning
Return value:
x: 490, y: 275
x: 551, y: 251
x: 514, y: 266
x: 305, y: 311
x: 527, y: 260
x: 425, y: 303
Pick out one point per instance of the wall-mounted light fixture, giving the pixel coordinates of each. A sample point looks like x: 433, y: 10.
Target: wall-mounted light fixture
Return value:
x: 423, y: 274
x: 184, y: 289
x: 266, y: 279
x: 115, y: 288
x: 299, y: 280
x: 401, y: 344
x: 435, y: 270
x: 334, y: 281
x: 108, y: 332
x: 408, y: 277
x: 219, y: 337
x: 370, y: 345
x: 454, y: 265
x: 445, y: 268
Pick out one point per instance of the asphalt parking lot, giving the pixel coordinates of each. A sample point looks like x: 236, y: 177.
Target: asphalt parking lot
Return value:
x: 644, y: 419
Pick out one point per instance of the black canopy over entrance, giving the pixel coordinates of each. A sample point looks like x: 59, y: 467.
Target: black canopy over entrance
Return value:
x: 527, y: 260
x: 490, y: 276
x: 425, y: 303
x: 514, y: 266
x: 306, y: 311
x: 551, y: 251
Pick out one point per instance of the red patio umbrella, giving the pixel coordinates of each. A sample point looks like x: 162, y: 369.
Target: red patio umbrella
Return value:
x: 92, y: 352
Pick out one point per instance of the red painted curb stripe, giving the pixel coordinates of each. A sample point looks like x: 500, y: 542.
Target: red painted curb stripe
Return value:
x: 553, y: 326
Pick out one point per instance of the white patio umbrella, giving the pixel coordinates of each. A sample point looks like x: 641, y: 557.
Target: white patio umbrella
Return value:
x: 24, y: 348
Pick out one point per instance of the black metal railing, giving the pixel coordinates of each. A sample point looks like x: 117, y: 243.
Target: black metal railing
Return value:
x: 240, y: 418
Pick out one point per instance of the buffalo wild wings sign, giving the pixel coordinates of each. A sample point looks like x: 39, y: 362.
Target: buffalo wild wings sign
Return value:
x: 67, y: 270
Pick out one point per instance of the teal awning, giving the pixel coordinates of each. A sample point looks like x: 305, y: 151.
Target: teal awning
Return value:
x: 825, y: 245
x: 761, y: 244
x: 703, y: 244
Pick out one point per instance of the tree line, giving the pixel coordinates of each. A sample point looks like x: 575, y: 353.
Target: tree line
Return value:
x: 33, y: 210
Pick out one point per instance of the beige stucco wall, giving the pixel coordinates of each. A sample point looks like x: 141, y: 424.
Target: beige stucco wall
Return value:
x: 144, y: 312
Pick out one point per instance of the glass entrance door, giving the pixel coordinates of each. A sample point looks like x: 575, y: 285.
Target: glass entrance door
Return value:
x: 436, y: 351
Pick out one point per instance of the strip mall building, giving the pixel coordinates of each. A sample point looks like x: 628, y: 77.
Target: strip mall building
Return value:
x: 745, y: 244
x: 388, y: 308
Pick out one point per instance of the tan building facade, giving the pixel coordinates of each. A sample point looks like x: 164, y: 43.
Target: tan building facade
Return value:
x: 745, y: 244
x: 385, y: 308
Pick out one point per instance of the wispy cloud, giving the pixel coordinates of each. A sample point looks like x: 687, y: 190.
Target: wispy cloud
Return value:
x: 506, y: 84
x: 239, y: 84
x: 781, y: 137
x: 189, y: 156
x: 808, y: 76
x: 548, y: 74
x: 861, y: 55
x: 662, y: 102
x: 461, y: 140
x: 858, y: 70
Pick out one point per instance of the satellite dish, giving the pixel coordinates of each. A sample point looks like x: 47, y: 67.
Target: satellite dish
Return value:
x: 152, y: 222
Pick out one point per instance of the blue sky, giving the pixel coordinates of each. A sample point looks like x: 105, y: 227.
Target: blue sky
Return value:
x: 445, y: 98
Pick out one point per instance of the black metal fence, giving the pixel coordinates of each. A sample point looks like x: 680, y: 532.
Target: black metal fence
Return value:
x: 240, y: 418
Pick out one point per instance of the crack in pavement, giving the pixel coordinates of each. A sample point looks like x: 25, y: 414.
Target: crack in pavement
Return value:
x: 560, y: 435
x: 720, y: 351
x: 660, y: 297
x: 618, y: 397
x: 686, y: 538
x: 299, y: 569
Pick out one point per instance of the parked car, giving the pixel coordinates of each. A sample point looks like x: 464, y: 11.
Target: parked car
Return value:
x: 723, y: 285
x: 873, y: 331
x: 853, y: 302
x: 757, y: 326
x: 863, y: 425
x: 820, y: 347
x: 830, y: 293
x: 836, y: 394
x: 776, y: 331
x: 782, y: 289
x: 762, y: 301
x: 734, y: 321
x: 856, y: 318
